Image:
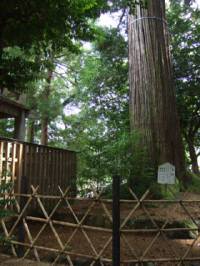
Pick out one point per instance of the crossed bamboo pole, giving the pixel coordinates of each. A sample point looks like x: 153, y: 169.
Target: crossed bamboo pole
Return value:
x: 49, y: 221
x: 139, y: 203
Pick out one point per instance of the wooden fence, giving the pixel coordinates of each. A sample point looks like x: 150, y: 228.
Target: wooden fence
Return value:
x: 43, y: 166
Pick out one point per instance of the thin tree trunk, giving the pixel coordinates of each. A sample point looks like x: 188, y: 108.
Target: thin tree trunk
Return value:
x: 187, y: 2
x: 44, y: 129
x: 152, y: 99
x: 45, y: 117
x: 31, y: 131
x: 193, y: 157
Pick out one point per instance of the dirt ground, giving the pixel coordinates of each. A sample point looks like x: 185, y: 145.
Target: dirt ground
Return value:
x: 156, y: 210
x: 9, y: 261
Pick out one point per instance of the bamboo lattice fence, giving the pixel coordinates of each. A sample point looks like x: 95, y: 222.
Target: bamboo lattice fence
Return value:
x: 68, y: 234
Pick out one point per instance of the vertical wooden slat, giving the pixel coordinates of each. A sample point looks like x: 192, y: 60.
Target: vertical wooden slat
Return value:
x: 5, y: 168
x: 30, y: 169
x: 66, y: 170
x: 35, y: 166
x: 55, y: 172
x: 37, y: 178
x: 25, y: 161
x: 1, y: 159
x: 43, y: 170
x: 74, y: 174
x: 43, y: 166
x: 31, y: 164
x: 42, y: 181
x: 56, y: 179
x: 38, y: 162
x: 20, y: 167
x: 65, y: 185
x: 16, y: 168
x: 62, y: 166
x: 46, y: 177
x: 13, y: 162
x: 39, y: 168
x: 58, y: 166
x: 50, y: 175
x: 69, y: 169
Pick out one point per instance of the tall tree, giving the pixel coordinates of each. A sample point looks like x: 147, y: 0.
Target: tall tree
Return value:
x: 185, y: 35
x: 45, y: 117
x: 33, y: 26
x: 152, y: 98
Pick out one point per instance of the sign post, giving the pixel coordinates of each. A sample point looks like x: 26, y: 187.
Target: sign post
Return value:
x: 166, y: 174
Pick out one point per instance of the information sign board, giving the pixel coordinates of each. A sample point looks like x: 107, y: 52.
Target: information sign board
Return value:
x: 166, y: 174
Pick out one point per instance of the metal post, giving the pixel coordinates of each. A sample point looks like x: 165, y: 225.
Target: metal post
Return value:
x: 116, y: 221
x: 21, y: 229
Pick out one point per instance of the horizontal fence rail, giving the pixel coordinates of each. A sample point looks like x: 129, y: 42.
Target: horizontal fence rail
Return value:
x: 80, y: 230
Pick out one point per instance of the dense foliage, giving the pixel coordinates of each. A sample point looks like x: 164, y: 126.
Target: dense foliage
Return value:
x: 185, y: 35
x: 30, y: 28
x: 82, y: 95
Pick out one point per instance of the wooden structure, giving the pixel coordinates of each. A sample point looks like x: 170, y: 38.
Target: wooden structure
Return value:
x: 12, y: 109
x: 43, y: 166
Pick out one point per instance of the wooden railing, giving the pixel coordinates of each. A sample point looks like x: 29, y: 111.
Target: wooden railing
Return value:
x: 43, y: 166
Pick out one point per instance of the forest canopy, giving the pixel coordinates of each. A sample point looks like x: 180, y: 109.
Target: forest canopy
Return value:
x: 80, y: 98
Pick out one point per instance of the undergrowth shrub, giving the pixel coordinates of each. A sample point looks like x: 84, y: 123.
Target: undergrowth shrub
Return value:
x: 127, y: 157
x: 194, y: 186
x: 5, y: 202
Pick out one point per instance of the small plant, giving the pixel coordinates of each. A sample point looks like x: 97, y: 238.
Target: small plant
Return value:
x: 5, y: 203
x: 170, y: 192
x: 195, y: 184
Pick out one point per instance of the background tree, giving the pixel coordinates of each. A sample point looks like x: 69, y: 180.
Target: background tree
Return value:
x: 101, y: 129
x: 185, y: 36
x: 34, y: 25
x: 31, y: 32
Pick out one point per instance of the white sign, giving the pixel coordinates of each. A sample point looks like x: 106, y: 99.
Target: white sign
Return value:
x: 166, y: 174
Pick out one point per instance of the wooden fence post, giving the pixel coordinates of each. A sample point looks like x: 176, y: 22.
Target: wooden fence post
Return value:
x: 22, y: 203
x: 116, y: 221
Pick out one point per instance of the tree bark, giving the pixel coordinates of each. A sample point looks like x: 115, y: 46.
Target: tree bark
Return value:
x: 187, y: 2
x: 193, y: 157
x: 152, y: 97
x: 31, y: 131
x: 44, y: 133
x: 45, y: 117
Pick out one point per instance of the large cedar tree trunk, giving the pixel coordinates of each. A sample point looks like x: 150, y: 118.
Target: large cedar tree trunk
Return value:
x: 152, y: 98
